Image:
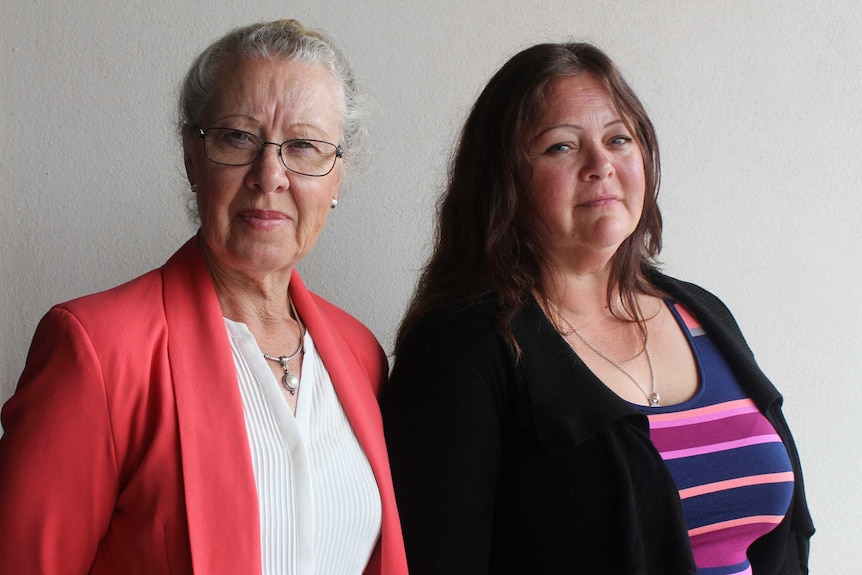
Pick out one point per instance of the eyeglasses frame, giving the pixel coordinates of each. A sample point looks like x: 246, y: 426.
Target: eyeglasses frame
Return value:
x: 339, y: 151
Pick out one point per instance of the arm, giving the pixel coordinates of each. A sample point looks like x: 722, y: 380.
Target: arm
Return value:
x: 442, y: 424
x: 58, y: 472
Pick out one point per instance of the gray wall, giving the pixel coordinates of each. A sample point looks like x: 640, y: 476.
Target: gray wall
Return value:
x: 756, y: 105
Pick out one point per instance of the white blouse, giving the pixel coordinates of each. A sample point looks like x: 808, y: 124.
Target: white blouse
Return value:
x: 320, y: 510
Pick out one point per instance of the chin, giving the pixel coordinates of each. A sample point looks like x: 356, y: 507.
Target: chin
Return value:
x: 262, y: 257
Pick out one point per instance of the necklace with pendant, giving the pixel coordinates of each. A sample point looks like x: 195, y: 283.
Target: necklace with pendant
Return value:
x: 290, y: 381
x: 653, y: 398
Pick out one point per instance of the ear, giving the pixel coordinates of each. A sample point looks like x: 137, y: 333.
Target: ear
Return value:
x: 190, y: 138
x: 339, y: 179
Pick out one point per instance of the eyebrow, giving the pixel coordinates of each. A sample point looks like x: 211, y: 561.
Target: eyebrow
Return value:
x: 244, y: 117
x: 576, y: 126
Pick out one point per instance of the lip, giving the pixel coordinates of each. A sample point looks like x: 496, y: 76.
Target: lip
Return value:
x: 263, y: 219
x: 600, y: 201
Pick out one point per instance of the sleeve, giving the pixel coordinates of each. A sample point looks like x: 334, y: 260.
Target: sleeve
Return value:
x: 442, y: 423
x: 58, y: 471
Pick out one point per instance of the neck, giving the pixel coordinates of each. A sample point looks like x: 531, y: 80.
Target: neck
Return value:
x: 261, y: 301
x: 580, y: 292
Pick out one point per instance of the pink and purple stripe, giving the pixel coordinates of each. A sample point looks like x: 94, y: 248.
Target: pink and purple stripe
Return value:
x: 731, y: 468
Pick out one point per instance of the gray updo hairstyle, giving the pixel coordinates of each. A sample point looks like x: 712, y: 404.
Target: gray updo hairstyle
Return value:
x: 287, y: 40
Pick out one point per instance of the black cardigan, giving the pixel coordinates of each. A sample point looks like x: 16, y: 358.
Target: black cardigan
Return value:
x: 535, y: 466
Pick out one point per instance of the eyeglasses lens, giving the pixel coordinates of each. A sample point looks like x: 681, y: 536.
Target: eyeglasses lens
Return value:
x: 238, y: 148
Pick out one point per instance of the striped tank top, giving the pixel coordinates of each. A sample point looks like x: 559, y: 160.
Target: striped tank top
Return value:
x: 730, y: 466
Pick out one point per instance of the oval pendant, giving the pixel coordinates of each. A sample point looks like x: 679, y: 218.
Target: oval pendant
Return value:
x: 654, y: 400
x: 290, y: 382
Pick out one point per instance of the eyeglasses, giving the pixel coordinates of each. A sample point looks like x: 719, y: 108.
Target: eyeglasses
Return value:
x: 230, y: 147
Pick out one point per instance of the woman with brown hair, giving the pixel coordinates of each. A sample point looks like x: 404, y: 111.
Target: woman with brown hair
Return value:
x: 557, y: 404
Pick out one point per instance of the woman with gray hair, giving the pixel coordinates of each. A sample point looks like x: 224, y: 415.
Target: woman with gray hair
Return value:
x: 214, y: 415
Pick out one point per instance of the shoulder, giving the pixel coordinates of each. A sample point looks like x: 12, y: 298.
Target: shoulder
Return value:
x: 459, y: 343
x: 94, y: 338
x: 341, y: 319
x: 713, y: 315
x: 674, y: 286
x: 472, y: 322
x: 337, y: 334
x: 452, y: 363
x: 125, y: 305
x: 316, y: 310
x: 354, y: 334
x: 144, y: 296
x: 133, y: 293
x: 699, y: 300
x: 133, y: 315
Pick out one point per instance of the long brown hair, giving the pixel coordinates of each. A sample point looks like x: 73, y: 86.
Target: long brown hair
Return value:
x: 483, y: 242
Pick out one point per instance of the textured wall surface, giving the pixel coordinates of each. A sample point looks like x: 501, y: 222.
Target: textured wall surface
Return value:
x: 756, y: 105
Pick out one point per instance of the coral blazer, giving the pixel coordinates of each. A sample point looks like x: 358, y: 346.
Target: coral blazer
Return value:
x: 125, y: 447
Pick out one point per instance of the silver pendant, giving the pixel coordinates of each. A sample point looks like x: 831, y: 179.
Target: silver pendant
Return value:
x: 654, y: 400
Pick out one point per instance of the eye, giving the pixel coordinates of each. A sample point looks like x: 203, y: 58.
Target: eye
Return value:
x: 301, y: 147
x: 559, y: 147
x: 235, y: 138
x: 620, y: 140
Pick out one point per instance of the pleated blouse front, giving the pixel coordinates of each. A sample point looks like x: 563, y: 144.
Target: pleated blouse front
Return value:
x: 320, y: 509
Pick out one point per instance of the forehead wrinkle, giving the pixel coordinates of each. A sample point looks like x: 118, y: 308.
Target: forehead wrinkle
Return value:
x: 277, y: 100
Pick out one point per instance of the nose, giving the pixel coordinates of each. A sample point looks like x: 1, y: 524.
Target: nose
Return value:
x: 597, y: 164
x: 268, y: 172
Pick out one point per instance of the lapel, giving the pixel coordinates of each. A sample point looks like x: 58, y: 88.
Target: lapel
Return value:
x: 569, y: 403
x: 350, y: 377
x: 218, y: 480
x: 356, y: 371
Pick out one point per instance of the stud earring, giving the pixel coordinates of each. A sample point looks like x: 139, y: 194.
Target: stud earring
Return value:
x: 194, y: 188
x: 334, y: 203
